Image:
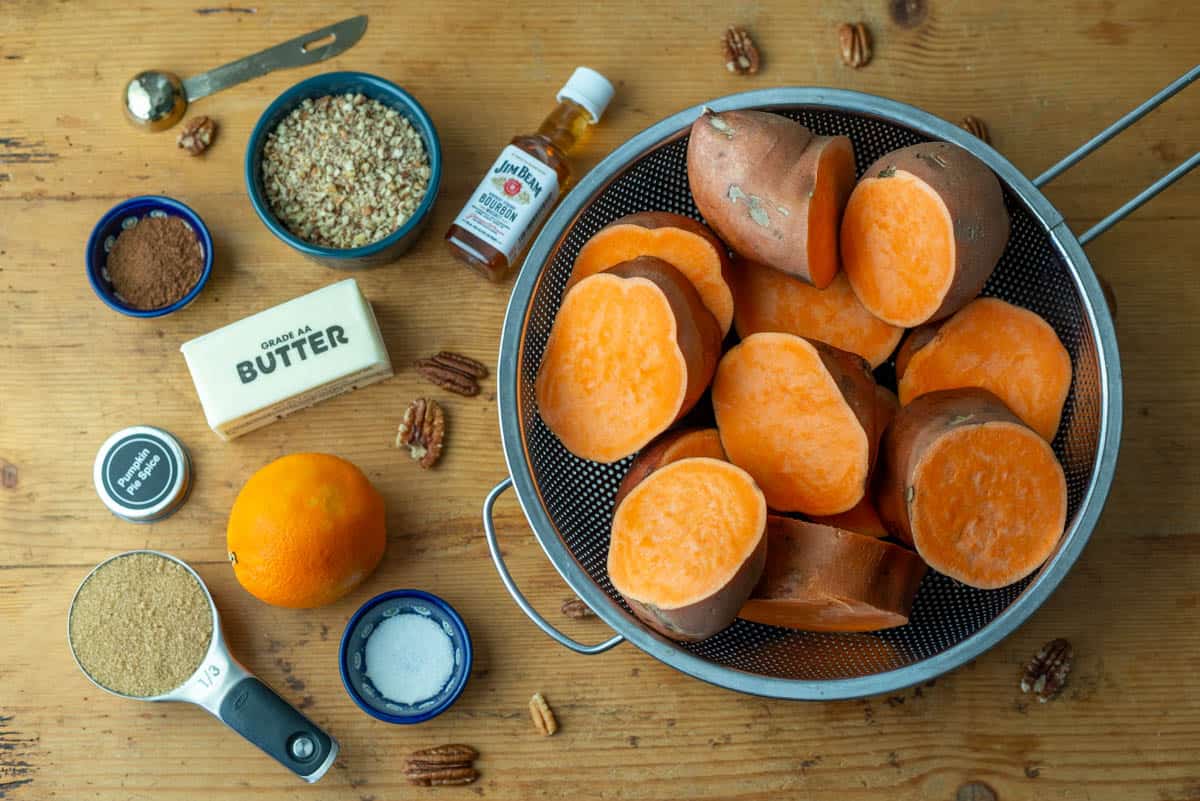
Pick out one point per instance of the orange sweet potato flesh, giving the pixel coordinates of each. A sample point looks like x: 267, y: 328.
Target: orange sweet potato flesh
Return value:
x: 864, y: 518
x: 771, y: 189
x: 686, y: 574
x: 821, y: 578
x: 685, y: 244
x: 922, y: 232
x: 631, y: 351
x: 978, y: 493
x: 993, y: 345
x: 769, y: 300
x: 670, y: 447
x: 798, y: 415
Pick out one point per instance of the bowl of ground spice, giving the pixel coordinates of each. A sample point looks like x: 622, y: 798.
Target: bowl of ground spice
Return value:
x: 344, y: 167
x: 149, y: 256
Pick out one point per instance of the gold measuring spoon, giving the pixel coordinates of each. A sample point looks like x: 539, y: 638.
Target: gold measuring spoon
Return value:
x: 221, y: 685
x: 156, y: 99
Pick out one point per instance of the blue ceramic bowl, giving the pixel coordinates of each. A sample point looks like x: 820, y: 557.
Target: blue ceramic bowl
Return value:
x: 399, y: 241
x: 124, y: 215
x: 354, y: 664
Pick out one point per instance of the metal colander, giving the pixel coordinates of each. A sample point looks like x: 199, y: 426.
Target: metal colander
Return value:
x: 569, y: 501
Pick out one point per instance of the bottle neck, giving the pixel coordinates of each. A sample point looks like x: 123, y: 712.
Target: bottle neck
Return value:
x: 565, y: 126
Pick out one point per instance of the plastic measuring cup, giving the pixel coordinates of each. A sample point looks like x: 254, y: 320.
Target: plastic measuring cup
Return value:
x: 237, y: 697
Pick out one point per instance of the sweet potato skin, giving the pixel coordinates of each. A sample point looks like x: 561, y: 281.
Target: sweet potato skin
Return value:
x: 705, y: 618
x: 853, y: 375
x: 665, y: 450
x: 822, y: 578
x: 653, y: 220
x: 915, y: 428
x: 752, y: 175
x: 916, y: 339
x: 972, y: 195
x: 699, y: 336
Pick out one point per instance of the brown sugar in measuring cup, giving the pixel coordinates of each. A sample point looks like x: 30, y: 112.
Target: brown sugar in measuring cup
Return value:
x: 142, y: 625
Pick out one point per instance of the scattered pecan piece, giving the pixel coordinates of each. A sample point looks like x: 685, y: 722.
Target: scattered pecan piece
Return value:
x: 543, y: 716
x: 576, y: 608
x: 441, y: 776
x: 197, y: 135
x: 741, y: 56
x: 975, y: 791
x: 976, y: 127
x: 855, y: 42
x: 1047, y: 672
x: 450, y: 754
x: 453, y: 372
x: 422, y: 431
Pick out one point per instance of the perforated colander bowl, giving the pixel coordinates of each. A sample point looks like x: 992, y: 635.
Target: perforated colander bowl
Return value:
x: 569, y: 501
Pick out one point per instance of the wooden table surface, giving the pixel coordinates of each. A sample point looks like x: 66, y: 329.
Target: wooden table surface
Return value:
x: 1044, y: 76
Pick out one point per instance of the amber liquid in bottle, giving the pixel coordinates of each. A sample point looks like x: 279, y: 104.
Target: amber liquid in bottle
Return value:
x: 561, y: 131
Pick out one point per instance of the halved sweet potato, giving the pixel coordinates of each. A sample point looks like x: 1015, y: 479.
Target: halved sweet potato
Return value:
x: 769, y: 300
x: 771, y: 189
x: 685, y: 244
x: 863, y: 518
x: 922, y: 232
x: 1009, y: 351
x: 978, y: 493
x: 688, y: 545
x: 631, y: 351
x: 798, y: 415
x: 821, y: 578
x: 670, y: 447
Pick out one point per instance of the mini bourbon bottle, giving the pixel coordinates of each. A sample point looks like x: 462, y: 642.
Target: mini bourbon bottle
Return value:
x: 515, y: 198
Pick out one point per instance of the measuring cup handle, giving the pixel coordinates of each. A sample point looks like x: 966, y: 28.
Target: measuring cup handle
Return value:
x: 256, y: 712
x: 489, y: 529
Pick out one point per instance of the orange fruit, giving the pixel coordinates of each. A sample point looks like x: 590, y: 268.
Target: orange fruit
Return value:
x: 305, y: 530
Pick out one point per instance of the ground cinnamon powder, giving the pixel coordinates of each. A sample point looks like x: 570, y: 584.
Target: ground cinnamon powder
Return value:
x: 155, y: 263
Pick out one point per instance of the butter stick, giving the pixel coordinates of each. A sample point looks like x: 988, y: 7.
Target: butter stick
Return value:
x: 268, y: 365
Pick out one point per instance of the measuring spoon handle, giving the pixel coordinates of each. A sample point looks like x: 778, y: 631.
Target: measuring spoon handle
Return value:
x: 292, y: 53
x: 256, y: 712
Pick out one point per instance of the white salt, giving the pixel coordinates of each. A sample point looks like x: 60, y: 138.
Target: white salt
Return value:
x: 409, y: 658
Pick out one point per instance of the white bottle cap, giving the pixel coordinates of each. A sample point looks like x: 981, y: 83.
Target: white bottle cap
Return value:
x: 589, y: 89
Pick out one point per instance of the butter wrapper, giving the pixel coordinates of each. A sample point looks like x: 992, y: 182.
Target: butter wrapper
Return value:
x: 268, y: 365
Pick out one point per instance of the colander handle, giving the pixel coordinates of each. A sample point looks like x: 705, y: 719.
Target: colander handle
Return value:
x: 489, y: 529
x: 1117, y: 127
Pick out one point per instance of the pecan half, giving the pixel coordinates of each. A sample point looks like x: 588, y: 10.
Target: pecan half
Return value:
x: 453, y: 372
x: 576, y: 608
x: 1047, y: 672
x: 976, y: 128
x: 741, y: 56
x: 197, y: 135
x: 441, y: 776
x: 422, y: 431
x: 543, y: 716
x: 855, y: 42
x: 450, y: 754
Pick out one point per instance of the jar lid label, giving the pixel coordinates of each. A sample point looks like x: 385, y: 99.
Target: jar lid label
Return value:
x: 139, y: 471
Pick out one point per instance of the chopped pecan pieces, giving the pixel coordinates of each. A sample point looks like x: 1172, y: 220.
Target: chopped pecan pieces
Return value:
x: 453, y: 372
x: 422, y: 431
x: 1047, y: 672
x: 741, y: 56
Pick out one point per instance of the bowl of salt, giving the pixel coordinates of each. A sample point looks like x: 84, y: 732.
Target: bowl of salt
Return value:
x: 405, y: 656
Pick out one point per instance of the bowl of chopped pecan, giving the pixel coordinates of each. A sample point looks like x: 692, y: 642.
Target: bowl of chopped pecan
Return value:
x: 345, y: 168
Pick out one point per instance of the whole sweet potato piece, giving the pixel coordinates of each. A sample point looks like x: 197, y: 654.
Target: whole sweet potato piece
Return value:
x: 685, y: 244
x: 687, y: 574
x: 978, y: 493
x: 1009, y: 351
x: 923, y: 230
x: 771, y: 189
x: 631, y: 351
x: 769, y: 300
x: 821, y: 578
x: 670, y: 447
x: 798, y: 415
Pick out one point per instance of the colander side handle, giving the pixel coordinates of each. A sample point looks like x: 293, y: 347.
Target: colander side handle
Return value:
x: 1080, y: 153
x: 489, y: 530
